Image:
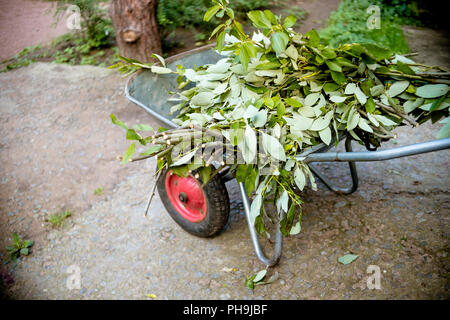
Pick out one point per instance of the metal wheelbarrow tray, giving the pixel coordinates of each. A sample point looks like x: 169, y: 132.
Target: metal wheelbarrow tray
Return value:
x: 150, y: 91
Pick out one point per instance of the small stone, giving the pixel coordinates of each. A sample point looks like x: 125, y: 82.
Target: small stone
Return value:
x: 340, y: 204
x: 395, y: 211
x: 225, y: 296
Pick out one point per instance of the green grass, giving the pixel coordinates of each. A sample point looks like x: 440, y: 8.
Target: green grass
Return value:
x: 57, y: 220
x: 98, y: 191
x: 19, y: 247
x: 348, y: 24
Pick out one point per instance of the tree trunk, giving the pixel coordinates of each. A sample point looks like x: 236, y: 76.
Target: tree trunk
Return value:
x: 136, y: 28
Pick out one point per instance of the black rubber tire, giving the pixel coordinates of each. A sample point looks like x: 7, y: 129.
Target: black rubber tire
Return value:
x: 218, y: 208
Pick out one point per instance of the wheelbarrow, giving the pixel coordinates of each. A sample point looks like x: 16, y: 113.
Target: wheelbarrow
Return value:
x: 204, y: 211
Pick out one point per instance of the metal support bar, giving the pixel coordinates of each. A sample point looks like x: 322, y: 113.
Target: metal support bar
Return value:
x: 254, y: 236
x: 353, y: 172
x: 381, y: 155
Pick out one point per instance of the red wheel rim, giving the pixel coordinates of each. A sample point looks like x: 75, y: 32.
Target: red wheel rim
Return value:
x: 186, y: 196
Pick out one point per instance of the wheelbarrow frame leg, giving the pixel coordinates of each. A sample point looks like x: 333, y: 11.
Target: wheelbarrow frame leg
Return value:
x: 254, y: 235
x: 353, y: 173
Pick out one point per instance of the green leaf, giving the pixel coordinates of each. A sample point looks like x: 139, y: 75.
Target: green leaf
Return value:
x: 203, y: 99
x: 295, y: 229
x: 250, y: 179
x: 129, y: 153
x: 353, y: 120
x: 403, y: 67
x: 181, y: 171
x: 437, y: 103
x: 337, y: 99
x: 397, y: 88
x: 142, y: 127
x: 330, y: 87
x: 444, y: 132
x: 133, y: 135
x: 27, y: 243
x: 279, y: 41
x: 299, y: 178
x: 220, y: 41
x: 160, y: 70
x: 244, y: 56
x: 360, y: 96
x: 384, y: 120
x: 325, y: 135
x: 268, y: 65
x: 205, y: 173
x: 293, y: 103
x: 230, y: 13
x: 248, y: 145
x: 272, y: 18
x: 314, y: 39
x: 283, y: 202
x: 161, y: 59
x: 273, y: 147
x: 24, y: 251
x: 260, y: 276
x: 347, y: 259
x: 338, y: 77
x: 217, y: 29
x: 363, y: 124
x: 241, y: 172
x: 292, y: 52
x: 260, y: 118
x: 16, y: 239
x: 370, y: 105
x: 211, y: 12
x: 333, y: 66
x: 377, y: 90
x: 185, y: 159
x: 432, y: 90
x: 255, y: 208
x: 376, y: 52
x: 329, y: 53
x: 311, y: 99
x: 249, y: 283
x: 151, y: 150
x: 289, y: 21
x: 410, y: 105
x: 259, y: 19
x: 117, y: 122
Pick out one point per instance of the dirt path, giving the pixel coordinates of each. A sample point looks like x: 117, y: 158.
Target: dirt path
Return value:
x: 58, y: 145
x: 26, y: 23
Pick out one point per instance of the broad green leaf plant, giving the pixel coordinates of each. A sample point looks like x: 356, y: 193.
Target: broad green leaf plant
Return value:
x: 277, y: 93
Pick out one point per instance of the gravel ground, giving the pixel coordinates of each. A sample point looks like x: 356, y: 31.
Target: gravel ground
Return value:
x: 27, y: 23
x: 58, y: 145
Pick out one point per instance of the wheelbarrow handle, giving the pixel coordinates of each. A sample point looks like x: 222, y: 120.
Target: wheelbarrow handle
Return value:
x: 254, y: 236
x: 381, y: 155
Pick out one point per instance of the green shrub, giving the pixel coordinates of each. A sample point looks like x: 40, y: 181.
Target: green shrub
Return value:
x: 348, y: 24
x: 189, y: 13
x: 57, y: 219
x: 96, y: 26
x: 19, y: 247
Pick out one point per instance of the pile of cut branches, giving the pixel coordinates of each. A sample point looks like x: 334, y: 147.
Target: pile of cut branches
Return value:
x: 278, y: 93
